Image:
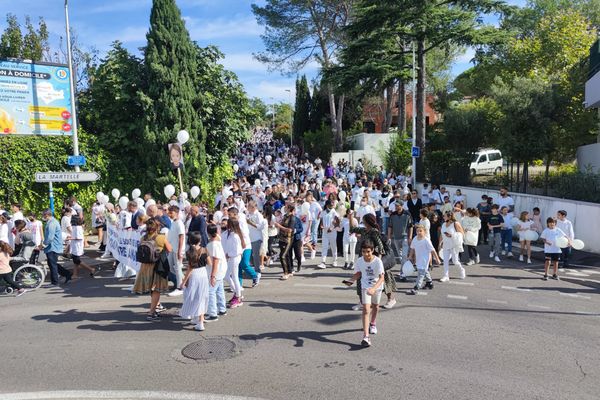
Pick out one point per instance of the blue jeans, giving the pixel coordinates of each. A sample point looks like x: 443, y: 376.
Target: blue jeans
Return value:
x: 506, y: 239
x: 216, y: 298
x: 314, y: 231
x: 566, y: 254
x: 245, y: 265
x: 55, y: 267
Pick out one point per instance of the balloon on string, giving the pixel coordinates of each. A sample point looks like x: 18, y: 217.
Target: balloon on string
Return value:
x: 578, y: 244
x: 408, y: 269
x: 183, y: 195
x: 136, y: 193
x: 123, y: 202
x: 342, y: 195
x: 139, y: 202
x: 115, y: 193
x: 195, y: 191
x: 471, y: 237
x: 183, y: 136
x: 99, y: 197
x: 530, y: 235
x: 236, y: 167
x: 268, y: 158
x: 106, y: 199
x: 562, y: 242
x: 169, y: 191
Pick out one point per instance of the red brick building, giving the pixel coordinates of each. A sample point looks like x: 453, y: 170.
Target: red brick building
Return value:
x: 373, y: 115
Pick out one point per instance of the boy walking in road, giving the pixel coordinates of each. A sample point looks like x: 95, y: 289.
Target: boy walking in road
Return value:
x: 421, y: 250
x: 495, y: 237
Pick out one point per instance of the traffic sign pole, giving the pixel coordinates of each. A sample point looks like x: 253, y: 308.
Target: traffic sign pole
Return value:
x: 71, y: 82
x: 51, y: 194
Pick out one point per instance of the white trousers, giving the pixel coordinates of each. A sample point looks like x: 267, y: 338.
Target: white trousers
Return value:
x: 455, y: 260
x: 233, y: 275
x: 349, y: 251
x: 329, y: 242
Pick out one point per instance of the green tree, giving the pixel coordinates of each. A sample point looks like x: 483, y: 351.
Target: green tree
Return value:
x: 11, y: 41
x: 299, y: 32
x: 301, y: 123
x: 171, y: 100
x: 35, y: 42
x: 261, y: 111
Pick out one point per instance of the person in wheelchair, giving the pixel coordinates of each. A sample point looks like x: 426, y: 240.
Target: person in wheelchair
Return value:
x: 6, y: 272
x: 25, y: 248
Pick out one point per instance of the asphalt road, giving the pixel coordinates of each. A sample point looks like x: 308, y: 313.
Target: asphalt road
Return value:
x: 502, y: 333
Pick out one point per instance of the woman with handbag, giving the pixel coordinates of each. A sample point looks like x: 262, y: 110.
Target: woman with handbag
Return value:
x: 371, y: 231
x: 452, y: 242
x: 147, y: 279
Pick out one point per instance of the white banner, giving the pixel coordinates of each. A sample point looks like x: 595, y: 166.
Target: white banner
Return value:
x: 123, y: 244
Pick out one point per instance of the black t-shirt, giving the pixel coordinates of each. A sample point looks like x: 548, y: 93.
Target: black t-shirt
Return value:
x: 496, y: 220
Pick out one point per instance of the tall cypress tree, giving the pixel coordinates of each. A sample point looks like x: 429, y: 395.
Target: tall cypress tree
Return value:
x: 302, y: 113
x: 170, y: 60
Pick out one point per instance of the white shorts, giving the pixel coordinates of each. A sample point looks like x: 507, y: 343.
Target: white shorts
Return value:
x: 368, y: 299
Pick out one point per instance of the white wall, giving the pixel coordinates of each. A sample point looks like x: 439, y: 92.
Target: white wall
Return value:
x: 589, y: 156
x: 585, y: 216
x: 592, y: 92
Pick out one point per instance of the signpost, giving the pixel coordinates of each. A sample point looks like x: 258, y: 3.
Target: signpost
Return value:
x: 416, y: 151
x: 76, y: 160
x: 50, y: 177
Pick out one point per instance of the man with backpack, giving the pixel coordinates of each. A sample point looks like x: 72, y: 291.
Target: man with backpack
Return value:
x: 176, y: 238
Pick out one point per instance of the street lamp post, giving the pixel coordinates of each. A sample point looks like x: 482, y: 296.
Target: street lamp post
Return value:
x: 72, y: 84
x: 414, y: 116
x: 291, y: 118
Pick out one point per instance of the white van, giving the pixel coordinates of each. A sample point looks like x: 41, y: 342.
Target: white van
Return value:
x: 486, y: 162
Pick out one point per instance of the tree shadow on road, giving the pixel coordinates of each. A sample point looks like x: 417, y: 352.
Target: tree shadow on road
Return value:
x: 299, y: 337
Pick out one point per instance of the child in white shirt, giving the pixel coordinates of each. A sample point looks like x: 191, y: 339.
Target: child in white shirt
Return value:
x: 76, y: 247
x: 369, y: 269
x: 552, y: 251
x: 421, y: 250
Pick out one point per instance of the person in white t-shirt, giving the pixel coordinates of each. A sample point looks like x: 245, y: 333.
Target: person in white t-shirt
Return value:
x: 566, y: 226
x: 76, y: 248
x: 505, y: 200
x: 369, y: 269
x: 217, y: 268
x: 421, y: 250
x: 552, y: 251
x: 176, y: 238
x: 364, y: 209
x: 523, y: 226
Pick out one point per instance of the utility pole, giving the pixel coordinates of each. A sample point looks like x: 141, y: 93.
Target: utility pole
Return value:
x: 414, y: 115
x: 291, y: 118
x: 72, y: 83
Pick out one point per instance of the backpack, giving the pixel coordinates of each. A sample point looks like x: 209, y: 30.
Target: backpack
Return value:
x: 147, y: 251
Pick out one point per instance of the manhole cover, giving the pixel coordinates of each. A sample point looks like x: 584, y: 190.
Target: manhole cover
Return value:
x: 210, y: 349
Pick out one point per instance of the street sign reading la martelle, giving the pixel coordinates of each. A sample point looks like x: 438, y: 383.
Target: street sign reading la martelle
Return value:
x: 66, y: 176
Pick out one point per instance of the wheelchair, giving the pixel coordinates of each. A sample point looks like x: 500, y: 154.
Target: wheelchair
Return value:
x: 26, y: 273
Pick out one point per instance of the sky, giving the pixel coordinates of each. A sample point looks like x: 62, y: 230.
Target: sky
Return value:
x: 228, y: 24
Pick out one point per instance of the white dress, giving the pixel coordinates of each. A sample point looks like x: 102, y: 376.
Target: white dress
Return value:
x: 195, y: 294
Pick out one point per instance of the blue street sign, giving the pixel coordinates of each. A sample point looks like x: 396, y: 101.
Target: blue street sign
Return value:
x: 416, y: 151
x: 76, y: 160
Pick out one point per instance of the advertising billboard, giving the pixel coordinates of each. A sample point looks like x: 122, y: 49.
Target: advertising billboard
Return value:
x: 35, y: 99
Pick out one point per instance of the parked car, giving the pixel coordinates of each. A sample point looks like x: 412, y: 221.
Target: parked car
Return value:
x: 486, y: 162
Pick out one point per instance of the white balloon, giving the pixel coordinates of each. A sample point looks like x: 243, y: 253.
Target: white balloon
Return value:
x: 123, y: 202
x: 184, y: 195
x: 408, y: 269
x: 195, y: 191
x: 562, y: 242
x: 183, y: 136
x: 150, y: 202
x: 105, y: 199
x: 169, y: 191
x: 471, y: 237
x: 342, y: 195
x: 136, y: 193
x: 578, y: 244
x: 115, y: 193
x: 99, y: 197
x: 236, y: 167
x: 268, y: 158
x: 139, y: 202
x: 530, y: 235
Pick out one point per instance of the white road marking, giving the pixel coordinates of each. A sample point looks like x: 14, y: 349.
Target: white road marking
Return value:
x: 118, y: 394
x: 421, y: 294
x: 453, y: 296
x: 538, y: 306
x: 577, y: 296
x: 515, y: 288
x: 577, y: 274
x: 119, y: 286
x: 491, y: 301
x: 462, y: 283
x: 587, y: 313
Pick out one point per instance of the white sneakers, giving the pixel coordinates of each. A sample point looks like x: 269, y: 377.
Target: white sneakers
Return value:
x: 303, y: 259
x: 445, y: 278
x: 390, y: 304
x: 491, y: 254
x: 521, y: 258
x: 497, y: 259
x: 175, y: 293
x: 335, y: 264
x: 503, y: 252
x: 529, y: 261
x: 322, y: 266
x: 313, y: 254
x: 199, y: 327
x: 470, y: 262
x: 357, y: 307
x: 510, y: 254
x: 477, y: 260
